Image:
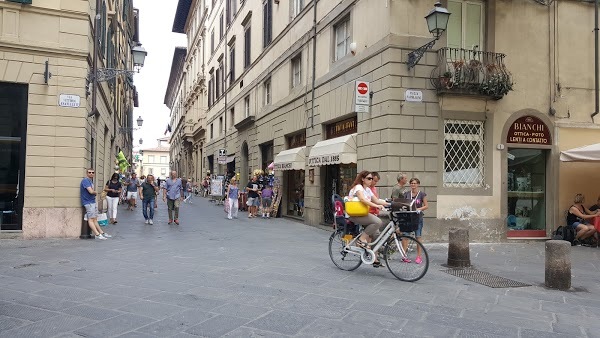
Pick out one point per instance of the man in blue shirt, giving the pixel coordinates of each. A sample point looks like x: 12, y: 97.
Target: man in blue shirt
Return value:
x: 88, y: 200
x: 173, y: 195
x: 133, y: 184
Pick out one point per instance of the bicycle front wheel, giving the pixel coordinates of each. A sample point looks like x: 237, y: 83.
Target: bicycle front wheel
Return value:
x: 403, y: 262
x: 342, y: 259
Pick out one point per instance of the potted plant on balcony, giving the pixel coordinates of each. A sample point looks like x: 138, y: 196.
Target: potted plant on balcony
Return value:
x: 497, y: 83
x: 446, y: 80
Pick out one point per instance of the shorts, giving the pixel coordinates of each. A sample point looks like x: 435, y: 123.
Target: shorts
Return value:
x: 256, y: 202
x: 91, y: 211
x: 132, y: 194
x: 266, y: 202
x: 419, y: 231
x: 576, y: 224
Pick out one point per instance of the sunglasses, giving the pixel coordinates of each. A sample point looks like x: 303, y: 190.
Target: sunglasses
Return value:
x: 90, y: 172
x: 369, y: 178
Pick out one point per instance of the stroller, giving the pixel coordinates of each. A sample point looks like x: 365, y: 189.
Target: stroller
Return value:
x: 341, y: 220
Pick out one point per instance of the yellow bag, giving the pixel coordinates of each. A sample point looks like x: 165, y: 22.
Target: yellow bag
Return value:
x: 356, y: 209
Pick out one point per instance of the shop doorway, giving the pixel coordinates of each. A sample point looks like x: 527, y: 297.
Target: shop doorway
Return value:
x: 527, y: 192
x: 244, y: 172
x: 338, y: 180
x: 13, y: 129
x: 295, y: 193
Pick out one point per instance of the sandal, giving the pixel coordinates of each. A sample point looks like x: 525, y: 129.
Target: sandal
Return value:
x: 378, y: 264
x: 361, y: 244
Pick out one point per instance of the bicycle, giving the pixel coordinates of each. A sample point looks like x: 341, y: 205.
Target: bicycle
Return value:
x: 398, y: 248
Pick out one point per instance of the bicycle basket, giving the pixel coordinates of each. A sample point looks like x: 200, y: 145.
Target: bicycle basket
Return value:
x: 406, y: 222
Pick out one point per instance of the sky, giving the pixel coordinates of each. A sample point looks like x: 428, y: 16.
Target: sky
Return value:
x: 156, y: 23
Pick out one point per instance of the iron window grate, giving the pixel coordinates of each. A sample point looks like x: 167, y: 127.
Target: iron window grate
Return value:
x: 463, y: 153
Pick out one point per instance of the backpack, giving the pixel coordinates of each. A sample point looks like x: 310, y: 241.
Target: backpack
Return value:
x: 564, y: 233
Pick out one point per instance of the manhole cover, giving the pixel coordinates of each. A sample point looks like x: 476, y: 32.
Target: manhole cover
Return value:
x: 485, y: 278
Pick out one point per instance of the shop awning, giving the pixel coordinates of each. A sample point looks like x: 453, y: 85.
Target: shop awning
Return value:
x: 334, y: 151
x: 291, y: 159
x: 589, y: 153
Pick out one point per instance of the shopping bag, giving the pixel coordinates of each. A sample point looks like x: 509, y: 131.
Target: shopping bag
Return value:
x: 597, y: 223
x: 227, y: 206
x: 102, y: 219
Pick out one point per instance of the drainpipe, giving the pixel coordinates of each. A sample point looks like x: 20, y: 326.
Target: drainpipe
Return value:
x: 314, y: 65
x: 596, y: 59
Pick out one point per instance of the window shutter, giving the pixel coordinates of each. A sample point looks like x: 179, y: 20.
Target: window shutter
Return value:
x: 473, y: 26
x: 247, y: 47
x: 454, y: 31
x: 228, y: 13
x: 231, y: 66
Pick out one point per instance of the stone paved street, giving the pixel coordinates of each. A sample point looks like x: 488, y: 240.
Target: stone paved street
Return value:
x: 213, y: 277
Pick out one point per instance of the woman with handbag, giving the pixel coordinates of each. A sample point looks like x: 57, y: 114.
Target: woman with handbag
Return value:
x: 113, y: 190
x: 360, y: 198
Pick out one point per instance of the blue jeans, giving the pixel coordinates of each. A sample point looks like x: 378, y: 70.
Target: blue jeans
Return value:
x: 148, y: 203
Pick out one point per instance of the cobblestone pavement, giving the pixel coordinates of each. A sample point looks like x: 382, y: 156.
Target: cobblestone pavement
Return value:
x: 214, y: 277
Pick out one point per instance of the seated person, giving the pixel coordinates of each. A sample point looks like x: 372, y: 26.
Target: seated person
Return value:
x: 596, y: 206
x: 577, y: 218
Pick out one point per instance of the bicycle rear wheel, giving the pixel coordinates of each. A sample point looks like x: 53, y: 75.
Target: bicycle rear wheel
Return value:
x: 339, y: 257
x: 403, y: 266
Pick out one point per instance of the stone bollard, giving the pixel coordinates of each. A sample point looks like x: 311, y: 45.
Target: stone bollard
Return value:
x: 558, y: 264
x: 458, y: 248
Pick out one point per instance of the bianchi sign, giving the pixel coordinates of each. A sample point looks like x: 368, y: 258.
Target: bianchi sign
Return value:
x: 283, y: 166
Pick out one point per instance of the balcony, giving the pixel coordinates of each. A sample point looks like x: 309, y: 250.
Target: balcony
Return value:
x: 471, y: 72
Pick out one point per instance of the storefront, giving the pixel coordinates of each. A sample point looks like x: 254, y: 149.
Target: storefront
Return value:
x: 293, y: 162
x: 528, y: 181
x: 337, y: 158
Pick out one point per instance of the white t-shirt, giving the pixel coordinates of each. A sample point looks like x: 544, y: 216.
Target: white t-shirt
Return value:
x: 366, y: 191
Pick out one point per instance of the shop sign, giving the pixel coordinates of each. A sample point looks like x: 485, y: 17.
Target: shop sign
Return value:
x: 529, y: 130
x: 342, y: 128
x: 296, y: 141
x: 323, y: 160
x: 283, y: 166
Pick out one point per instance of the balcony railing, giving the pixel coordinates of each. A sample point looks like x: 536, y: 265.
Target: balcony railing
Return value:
x: 471, y: 72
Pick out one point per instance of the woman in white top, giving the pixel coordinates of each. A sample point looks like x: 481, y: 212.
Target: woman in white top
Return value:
x: 360, y: 188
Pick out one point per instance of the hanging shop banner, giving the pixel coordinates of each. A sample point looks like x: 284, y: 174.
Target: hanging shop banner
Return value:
x: 529, y: 130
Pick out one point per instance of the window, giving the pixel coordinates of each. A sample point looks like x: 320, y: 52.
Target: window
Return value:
x: 150, y: 158
x: 296, y: 71
x: 267, y: 22
x: 232, y: 117
x: 231, y: 65
x: 211, y: 83
x: 150, y: 171
x: 267, y: 89
x: 218, y: 83
x: 247, y: 46
x: 163, y: 159
x: 102, y: 36
x: 231, y: 10
x: 212, y: 135
x: 465, y: 27
x: 221, y: 126
x: 463, y: 154
x: 212, y: 42
x: 247, y: 106
x: 221, y: 26
x: 163, y: 171
x: 297, y: 6
x: 342, y: 38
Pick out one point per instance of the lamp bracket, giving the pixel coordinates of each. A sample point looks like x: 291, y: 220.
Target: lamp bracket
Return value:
x: 417, y: 54
x: 105, y: 74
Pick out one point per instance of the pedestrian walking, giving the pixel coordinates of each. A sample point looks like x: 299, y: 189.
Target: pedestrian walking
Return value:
x: 147, y: 193
x: 233, y: 193
x: 113, y: 190
x: 267, y: 201
x: 173, y: 195
x: 400, y: 189
x: 88, y: 201
x: 253, y: 197
x: 133, y: 184
x: 418, y: 199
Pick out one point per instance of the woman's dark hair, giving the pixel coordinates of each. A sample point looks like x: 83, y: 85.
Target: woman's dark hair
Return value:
x: 375, y: 174
x: 114, y: 176
x: 358, y: 180
x: 414, y: 179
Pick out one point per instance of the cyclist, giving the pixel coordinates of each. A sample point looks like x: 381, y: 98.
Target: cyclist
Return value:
x: 361, y: 189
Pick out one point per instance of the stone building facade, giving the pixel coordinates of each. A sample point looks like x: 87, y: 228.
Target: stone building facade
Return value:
x: 478, y: 119
x: 49, y: 134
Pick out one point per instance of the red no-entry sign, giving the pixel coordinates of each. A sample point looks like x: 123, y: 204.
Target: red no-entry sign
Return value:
x: 362, y: 88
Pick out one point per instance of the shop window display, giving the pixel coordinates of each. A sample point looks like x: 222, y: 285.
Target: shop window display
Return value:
x: 526, y: 183
x: 295, y: 193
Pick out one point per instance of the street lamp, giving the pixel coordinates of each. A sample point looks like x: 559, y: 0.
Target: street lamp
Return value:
x: 141, y: 141
x: 139, y: 56
x: 139, y: 121
x: 437, y: 23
